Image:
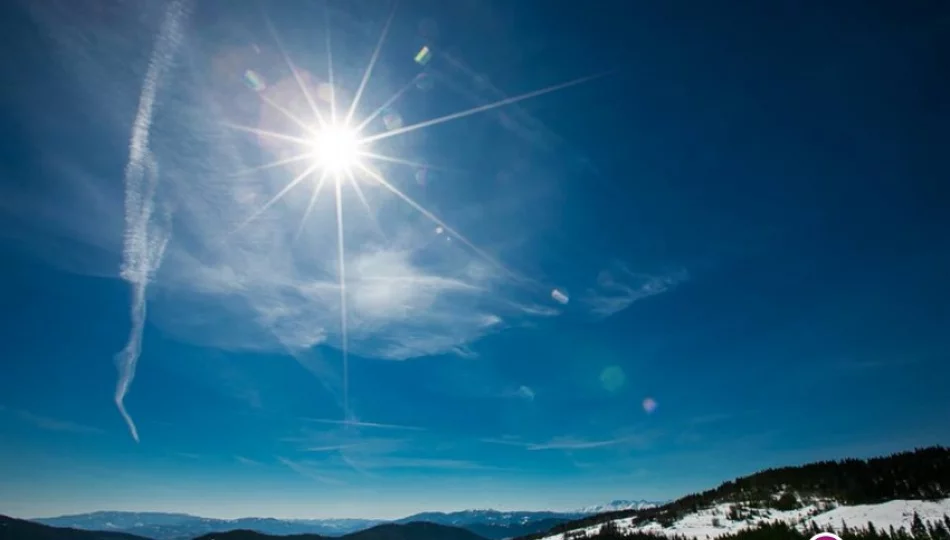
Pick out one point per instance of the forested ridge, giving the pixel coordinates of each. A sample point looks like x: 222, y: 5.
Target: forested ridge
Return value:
x: 923, y: 473
x: 919, y: 530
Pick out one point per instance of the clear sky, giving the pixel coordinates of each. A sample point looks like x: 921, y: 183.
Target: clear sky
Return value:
x: 725, y: 250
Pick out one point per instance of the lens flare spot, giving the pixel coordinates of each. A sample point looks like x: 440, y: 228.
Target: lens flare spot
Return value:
x: 424, y: 82
x: 392, y: 120
x: 649, y: 405
x: 612, y: 378
x: 423, y: 56
x: 254, y: 81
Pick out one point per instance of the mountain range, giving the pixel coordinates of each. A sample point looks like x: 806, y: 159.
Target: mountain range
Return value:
x: 489, y: 524
x: 905, y: 496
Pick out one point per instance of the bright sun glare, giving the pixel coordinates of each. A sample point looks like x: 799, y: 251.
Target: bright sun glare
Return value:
x: 336, y: 148
x: 338, y: 151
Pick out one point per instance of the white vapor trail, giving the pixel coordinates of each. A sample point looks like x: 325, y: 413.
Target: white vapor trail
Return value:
x: 145, y: 240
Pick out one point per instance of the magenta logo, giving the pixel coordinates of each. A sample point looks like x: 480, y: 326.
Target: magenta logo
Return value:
x: 826, y: 536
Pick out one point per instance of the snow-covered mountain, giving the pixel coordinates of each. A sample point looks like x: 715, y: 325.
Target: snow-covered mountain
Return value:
x: 827, y: 515
x: 614, y: 506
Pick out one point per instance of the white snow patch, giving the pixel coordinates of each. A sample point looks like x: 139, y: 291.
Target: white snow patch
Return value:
x: 899, y: 513
x: 713, y: 522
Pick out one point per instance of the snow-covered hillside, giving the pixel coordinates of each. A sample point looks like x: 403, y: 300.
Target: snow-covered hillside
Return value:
x: 714, y: 521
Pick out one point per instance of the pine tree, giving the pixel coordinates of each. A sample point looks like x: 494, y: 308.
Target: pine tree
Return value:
x: 940, y: 531
x: 917, y: 528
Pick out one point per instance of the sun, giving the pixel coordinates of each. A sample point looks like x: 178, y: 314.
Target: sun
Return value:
x: 340, y: 154
x: 336, y: 149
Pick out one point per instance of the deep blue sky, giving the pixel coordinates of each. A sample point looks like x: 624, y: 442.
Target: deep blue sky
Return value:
x: 748, y: 215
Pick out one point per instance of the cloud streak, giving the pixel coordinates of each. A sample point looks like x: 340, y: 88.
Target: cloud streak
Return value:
x: 247, y: 461
x: 618, y: 288
x: 52, y: 424
x: 574, y: 443
x: 412, y: 288
x: 357, y: 423
x: 308, y: 471
x: 147, y: 232
x: 571, y: 443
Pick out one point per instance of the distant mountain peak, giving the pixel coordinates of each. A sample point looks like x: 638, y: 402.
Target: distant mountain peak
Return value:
x: 620, y: 504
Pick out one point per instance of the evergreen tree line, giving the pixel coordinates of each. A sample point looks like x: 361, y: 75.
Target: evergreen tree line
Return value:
x: 923, y: 473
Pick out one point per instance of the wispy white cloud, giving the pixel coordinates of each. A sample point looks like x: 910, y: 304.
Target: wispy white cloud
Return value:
x: 247, y: 461
x: 273, y: 285
x: 618, y: 288
x: 573, y: 443
x: 525, y: 392
x: 148, y: 228
x: 569, y: 443
x: 510, y: 440
x: 347, y: 449
x: 464, y: 352
x: 309, y: 470
x: 51, y: 424
x: 330, y: 448
x: 396, y: 462
x: 357, y: 423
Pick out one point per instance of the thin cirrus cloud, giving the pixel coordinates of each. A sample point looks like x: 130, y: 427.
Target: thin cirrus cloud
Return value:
x: 569, y: 443
x: 247, y: 461
x: 359, y: 424
x: 51, y: 424
x: 310, y: 471
x: 618, y: 288
x: 348, y: 451
x: 209, y: 274
x: 525, y: 392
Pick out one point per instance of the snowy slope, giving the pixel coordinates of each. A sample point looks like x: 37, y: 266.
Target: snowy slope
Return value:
x: 897, y: 513
x: 713, y: 522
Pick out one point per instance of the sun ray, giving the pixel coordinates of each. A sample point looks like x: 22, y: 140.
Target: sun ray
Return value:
x: 293, y: 183
x: 326, y: 28
x: 421, y: 209
x: 482, y: 108
x: 265, y: 133
x: 364, y: 202
x: 383, y: 107
x: 369, y: 67
x: 409, y: 162
x: 296, y: 74
x: 271, y: 165
x: 313, y: 200
x: 341, y: 252
x: 390, y: 159
x: 291, y: 116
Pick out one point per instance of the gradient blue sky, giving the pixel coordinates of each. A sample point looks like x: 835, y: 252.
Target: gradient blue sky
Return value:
x: 748, y: 215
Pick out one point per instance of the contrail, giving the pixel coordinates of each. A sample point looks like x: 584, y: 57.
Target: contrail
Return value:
x: 143, y: 248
